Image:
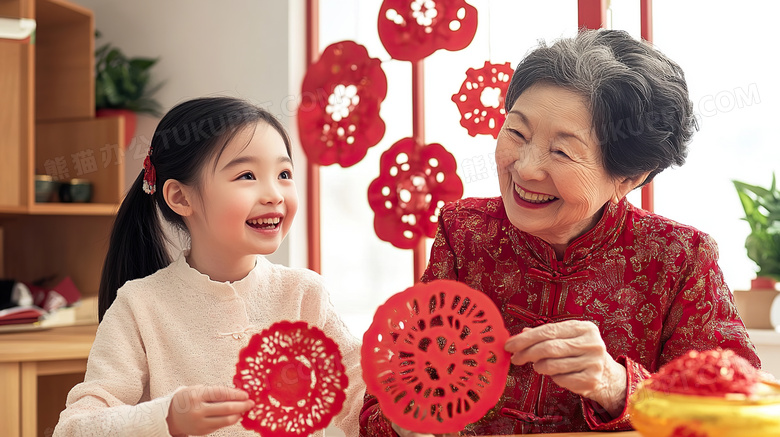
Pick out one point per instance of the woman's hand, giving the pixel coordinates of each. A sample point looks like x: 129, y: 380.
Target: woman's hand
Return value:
x: 199, y: 410
x: 404, y: 433
x: 575, y: 356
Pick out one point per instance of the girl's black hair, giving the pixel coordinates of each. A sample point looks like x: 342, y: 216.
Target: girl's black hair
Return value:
x: 187, y: 137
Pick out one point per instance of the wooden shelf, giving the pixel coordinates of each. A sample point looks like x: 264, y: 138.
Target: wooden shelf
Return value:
x: 55, y: 344
x: 98, y: 209
x: 48, y: 127
x: 64, y: 61
x: 92, y: 209
x: 51, y: 247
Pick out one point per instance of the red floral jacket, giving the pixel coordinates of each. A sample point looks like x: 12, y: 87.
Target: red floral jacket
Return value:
x: 652, y: 285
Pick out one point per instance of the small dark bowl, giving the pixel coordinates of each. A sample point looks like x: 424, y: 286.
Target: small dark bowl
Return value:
x: 45, y: 188
x: 76, y: 190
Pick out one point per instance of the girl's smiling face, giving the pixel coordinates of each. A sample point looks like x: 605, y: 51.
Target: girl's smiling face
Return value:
x: 552, y: 179
x: 246, y: 200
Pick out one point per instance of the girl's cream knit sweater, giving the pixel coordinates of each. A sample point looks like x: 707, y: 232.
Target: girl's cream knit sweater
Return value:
x: 179, y: 328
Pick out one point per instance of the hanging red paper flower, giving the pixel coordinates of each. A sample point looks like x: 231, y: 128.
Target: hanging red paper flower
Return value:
x: 413, y: 184
x: 338, y: 118
x: 295, y: 376
x: 434, y: 356
x: 411, y: 30
x: 481, y: 99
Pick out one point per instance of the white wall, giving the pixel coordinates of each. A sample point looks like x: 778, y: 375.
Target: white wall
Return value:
x: 253, y: 49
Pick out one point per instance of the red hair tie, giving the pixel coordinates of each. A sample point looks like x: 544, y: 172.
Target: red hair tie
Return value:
x: 150, y: 176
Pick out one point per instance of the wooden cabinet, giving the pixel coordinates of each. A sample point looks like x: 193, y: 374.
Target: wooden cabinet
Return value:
x: 48, y: 126
x: 37, y: 370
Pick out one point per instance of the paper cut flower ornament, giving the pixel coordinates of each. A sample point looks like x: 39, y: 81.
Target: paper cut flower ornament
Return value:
x: 434, y: 357
x: 411, y: 30
x: 480, y: 99
x: 296, y: 378
x: 412, y: 186
x: 338, y: 118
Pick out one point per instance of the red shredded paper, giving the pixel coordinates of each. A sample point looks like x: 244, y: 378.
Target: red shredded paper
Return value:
x: 338, y: 118
x: 295, y: 376
x: 712, y: 373
x: 480, y: 99
x: 411, y: 30
x: 434, y: 357
x: 412, y: 186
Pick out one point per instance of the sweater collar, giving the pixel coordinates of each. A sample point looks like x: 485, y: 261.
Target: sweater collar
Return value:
x: 227, y: 289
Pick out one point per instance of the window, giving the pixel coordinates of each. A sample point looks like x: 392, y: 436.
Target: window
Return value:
x: 733, y: 84
x: 728, y: 71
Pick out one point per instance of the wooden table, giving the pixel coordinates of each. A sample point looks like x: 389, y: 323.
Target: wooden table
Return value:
x: 37, y: 369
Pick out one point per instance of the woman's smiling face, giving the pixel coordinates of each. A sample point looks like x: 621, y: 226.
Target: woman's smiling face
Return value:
x: 552, y: 179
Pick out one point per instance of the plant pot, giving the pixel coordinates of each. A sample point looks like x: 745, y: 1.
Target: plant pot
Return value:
x: 755, y: 305
x: 130, y: 117
x: 763, y: 283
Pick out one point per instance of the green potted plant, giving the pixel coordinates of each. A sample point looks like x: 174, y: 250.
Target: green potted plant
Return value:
x: 122, y: 87
x: 762, y: 212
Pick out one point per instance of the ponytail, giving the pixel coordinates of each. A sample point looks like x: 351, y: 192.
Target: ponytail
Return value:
x: 137, y: 245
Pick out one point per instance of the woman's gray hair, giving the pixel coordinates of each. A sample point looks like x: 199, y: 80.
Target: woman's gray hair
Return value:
x: 638, y: 97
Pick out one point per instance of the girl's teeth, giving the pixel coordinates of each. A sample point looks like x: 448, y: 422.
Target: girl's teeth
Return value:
x: 265, y: 221
x: 533, y: 197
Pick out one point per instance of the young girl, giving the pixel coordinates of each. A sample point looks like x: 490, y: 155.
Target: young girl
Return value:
x: 166, y: 349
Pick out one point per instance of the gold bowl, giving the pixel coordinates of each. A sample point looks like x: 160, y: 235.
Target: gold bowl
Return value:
x: 658, y: 414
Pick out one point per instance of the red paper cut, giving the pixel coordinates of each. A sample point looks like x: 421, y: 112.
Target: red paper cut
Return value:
x: 411, y: 30
x: 481, y: 99
x: 295, y: 376
x: 712, y: 373
x: 412, y: 186
x: 338, y: 118
x: 434, y: 357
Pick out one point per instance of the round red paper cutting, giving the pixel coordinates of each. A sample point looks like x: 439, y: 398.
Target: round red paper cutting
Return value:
x: 480, y: 99
x: 434, y: 357
x: 341, y: 94
x: 411, y: 30
x: 295, y: 376
x: 412, y: 186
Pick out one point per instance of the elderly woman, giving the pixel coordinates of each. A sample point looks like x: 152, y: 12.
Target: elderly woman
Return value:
x: 596, y: 293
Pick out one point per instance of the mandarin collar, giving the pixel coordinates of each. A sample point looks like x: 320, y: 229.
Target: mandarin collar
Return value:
x: 603, y: 235
x: 224, y: 290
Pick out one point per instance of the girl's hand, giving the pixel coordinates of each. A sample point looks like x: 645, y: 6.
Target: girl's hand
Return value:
x: 575, y: 356
x: 199, y: 410
x: 404, y: 433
